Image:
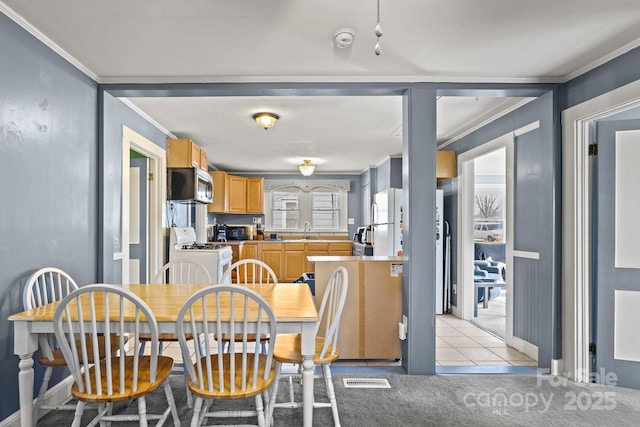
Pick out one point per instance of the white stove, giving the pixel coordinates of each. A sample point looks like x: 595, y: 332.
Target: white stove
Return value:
x: 215, y: 256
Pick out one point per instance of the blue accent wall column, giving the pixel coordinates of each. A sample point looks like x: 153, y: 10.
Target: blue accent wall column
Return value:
x: 418, y: 183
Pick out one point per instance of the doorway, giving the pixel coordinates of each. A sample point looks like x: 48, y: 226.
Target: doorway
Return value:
x: 489, y: 232
x: 156, y: 156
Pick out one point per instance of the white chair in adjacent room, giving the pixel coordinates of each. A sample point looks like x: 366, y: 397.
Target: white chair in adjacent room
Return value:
x: 248, y: 272
x: 184, y: 272
x: 237, y: 374
x: 116, y: 376
x: 288, y: 348
x: 45, y: 286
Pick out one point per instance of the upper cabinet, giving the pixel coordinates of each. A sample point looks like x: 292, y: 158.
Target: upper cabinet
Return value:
x: 445, y: 165
x: 255, y: 195
x: 184, y: 153
x: 236, y: 194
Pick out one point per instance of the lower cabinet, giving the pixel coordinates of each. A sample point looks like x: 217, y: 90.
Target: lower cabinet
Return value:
x: 369, y: 323
x: 294, y: 261
x: 272, y: 255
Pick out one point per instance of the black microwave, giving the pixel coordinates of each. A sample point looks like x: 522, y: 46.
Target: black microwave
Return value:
x: 189, y: 184
x: 239, y: 232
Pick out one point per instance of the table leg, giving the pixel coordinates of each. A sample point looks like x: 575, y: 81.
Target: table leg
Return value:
x: 307, y: 391
x: 25, y: 386
x: 308, y: 349
x: 485, y: 301
x: 475, y: 301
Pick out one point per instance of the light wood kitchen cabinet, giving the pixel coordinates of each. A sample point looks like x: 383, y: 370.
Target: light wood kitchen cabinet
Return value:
x: 340, y: 248
x: 237, y: 194
x: 220, y: 190
x: 244, y: 250
x: 294, y: 261
x: 255, y: 195
x: 315, y: 249
x: 445, y: 165
x: 272, y: 255
x: 184, y: 153
x: 369, y: 324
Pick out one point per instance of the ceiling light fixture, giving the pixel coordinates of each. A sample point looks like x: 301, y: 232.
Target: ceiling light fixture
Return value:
x: 266, y: 120
x: 378, y: 32
x: 307, y: 168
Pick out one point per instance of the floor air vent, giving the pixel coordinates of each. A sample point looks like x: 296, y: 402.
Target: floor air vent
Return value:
x: 366, y: 383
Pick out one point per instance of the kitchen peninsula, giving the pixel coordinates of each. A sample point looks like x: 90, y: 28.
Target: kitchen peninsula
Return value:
x: 369, y: 324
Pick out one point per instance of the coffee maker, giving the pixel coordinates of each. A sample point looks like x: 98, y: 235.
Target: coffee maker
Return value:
x: 218, y: 233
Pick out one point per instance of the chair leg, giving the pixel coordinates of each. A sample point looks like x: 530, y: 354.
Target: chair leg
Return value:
x: 196, y: 419
x: 326, y: 370
x: 260, y: 411
x: 142, y: 411
x: 78, y: 414
x: 172, y: 404
x: 274, y: 394
x: 43, y: 390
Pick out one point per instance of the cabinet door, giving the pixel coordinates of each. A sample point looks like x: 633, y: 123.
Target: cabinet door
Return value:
x: 294, y: 261
x: 204, y: 160
x: 220, y: 190
x: 182, y: 153
x: 445, y: 164
x: 255, y: 195
x: 315, y: 249
x: 237, y: 196
x: 248, y: 251
x: 272, y: 256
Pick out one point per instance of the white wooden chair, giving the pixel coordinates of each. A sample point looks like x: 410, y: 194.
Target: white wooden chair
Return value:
x: 79, y: 321
x: 45, y: 286
x: 249, y: 272
x: 288, y: 348
x: 238, y: 312
x: 180, y: 271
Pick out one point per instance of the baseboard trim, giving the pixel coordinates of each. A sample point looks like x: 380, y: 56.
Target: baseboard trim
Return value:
x: 56, y: 395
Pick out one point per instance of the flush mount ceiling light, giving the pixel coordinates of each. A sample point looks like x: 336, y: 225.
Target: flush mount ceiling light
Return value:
x: 266, y: 120
x: 307, y: 168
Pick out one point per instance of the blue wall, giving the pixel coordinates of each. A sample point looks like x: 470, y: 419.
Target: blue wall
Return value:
x: 48, y: 178
x: 534, y: 216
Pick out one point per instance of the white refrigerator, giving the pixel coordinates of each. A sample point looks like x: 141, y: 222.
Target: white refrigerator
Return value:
x: 386, y: 222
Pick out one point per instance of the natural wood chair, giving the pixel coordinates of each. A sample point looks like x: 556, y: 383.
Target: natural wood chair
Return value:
x: 45, y: 286
x: 248, y: 272
x: 288, y: 346
x: 101, y: 310
x: 184, y: 272
x: 238, y: 312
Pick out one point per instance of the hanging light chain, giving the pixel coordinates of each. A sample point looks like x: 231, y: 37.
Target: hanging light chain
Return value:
x: 378, y: 32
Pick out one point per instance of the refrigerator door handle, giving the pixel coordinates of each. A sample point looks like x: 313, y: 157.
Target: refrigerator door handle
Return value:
x: 374, y: 211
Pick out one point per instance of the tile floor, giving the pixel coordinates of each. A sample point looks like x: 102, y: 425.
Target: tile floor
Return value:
x: 460, y: 343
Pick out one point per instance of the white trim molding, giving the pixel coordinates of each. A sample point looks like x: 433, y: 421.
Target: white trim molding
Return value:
x: 577, y: 224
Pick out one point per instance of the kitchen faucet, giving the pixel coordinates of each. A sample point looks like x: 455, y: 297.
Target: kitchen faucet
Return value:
x: 307, y: 229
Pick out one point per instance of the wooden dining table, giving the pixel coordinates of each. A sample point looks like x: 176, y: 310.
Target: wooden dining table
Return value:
x: 292, y: 304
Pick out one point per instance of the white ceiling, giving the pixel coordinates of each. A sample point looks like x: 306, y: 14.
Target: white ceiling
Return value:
x: 292, y: 41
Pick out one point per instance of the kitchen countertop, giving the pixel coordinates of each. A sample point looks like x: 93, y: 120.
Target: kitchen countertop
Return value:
x: 352, y: 258
x: 232, y: 242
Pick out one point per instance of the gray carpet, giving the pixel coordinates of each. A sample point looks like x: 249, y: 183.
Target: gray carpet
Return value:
x: 447, y: 400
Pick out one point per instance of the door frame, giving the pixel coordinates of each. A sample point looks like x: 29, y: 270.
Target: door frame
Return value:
x: 465, y: 225
x: 157, y: 156
x: 465, y: 255
x: 577, y: 239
